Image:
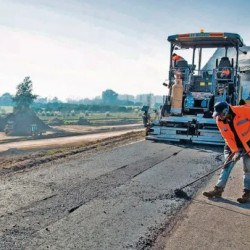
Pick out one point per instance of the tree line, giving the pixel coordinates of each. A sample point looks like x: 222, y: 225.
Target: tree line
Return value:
x: 24, y: 100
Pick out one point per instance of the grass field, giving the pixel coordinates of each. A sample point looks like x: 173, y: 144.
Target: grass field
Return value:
x: 92, y: 118
x: 96, y: 119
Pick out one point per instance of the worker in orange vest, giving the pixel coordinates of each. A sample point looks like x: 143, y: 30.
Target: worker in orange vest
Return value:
x: 225, y: 73
x: 176, y: 58
x: 234, y: 125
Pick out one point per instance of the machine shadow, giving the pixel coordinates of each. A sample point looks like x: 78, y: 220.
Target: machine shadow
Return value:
x: 191, y: 145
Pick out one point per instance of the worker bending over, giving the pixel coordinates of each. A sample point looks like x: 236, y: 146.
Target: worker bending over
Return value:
x: 234, y: 125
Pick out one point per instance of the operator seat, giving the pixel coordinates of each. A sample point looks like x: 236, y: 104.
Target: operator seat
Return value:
x: 224, y: 63
x: 182, y: 65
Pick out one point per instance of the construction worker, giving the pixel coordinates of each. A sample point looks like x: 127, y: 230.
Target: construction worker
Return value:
x: 225, y: 73
x: 146, y: 115
x: 234, y: 125
x: 157, y: 114
x: 175, y: 59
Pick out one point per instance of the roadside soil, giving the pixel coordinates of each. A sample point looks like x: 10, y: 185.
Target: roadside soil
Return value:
x: 69, y: 130
x: 13, y: 147
x: 84, y: 129
x: 36, y: 153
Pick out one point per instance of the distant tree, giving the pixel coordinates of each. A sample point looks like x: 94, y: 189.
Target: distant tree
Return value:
x: 97, y: 100
x: 6, y: 100
x: 55, y: 100
x: 41, y: 100
x: 86, y: 101
x: 24, y: 97
x: 109, y: 96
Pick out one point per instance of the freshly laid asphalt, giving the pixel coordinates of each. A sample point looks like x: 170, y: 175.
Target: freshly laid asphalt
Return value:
x: 117, y: 199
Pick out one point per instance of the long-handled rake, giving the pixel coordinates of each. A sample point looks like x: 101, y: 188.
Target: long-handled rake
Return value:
x: 179, y: 193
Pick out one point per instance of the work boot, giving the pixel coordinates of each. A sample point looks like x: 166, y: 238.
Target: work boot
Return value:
x: 245, y: 197
x: 216, y: 193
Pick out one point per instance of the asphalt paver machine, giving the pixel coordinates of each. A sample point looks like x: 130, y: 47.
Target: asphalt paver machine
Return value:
x: 186, y: 113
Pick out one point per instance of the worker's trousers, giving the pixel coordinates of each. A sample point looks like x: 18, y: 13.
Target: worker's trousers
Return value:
x: 225, y: 173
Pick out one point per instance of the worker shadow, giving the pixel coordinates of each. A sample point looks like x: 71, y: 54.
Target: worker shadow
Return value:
x: 226, y: 201
x: 230, y: 202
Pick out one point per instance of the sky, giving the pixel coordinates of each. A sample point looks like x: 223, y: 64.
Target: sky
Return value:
x: 79, y: 48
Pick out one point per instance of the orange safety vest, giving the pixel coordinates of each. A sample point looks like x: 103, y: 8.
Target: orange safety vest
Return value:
x: 241, y: 124
x: 176, y: 58
x: 225, y: 72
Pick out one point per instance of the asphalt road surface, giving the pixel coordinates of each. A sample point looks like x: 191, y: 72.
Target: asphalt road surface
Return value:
x: 115, y: 199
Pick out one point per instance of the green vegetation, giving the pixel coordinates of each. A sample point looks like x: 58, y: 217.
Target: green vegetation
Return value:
x: 109, y: 96
x: 24, y: 97
x: 80, y: 114
x: 107, y: 110
x: 6, y: 100
x: 93, y: 118
x: 23, y: 120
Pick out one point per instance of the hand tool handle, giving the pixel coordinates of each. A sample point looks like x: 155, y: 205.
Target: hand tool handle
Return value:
x: 221, y: 166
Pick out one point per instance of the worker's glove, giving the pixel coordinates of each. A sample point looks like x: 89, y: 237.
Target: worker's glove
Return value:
x: 236, y: 156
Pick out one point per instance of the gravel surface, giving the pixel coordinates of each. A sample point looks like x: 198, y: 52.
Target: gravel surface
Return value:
x: 117, y: 199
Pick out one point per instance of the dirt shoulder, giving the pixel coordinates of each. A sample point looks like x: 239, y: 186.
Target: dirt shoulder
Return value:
x: 24, y: 159
x: 60, y: 142
x: 213, y: 224
x: 69, y: 131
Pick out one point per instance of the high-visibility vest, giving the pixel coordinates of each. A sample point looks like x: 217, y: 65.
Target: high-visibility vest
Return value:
x: 241, y: 124
x: 225, y: 72
x: 176, y: 58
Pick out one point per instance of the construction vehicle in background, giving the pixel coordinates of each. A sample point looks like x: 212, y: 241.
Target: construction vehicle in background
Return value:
x: 186, y: 113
